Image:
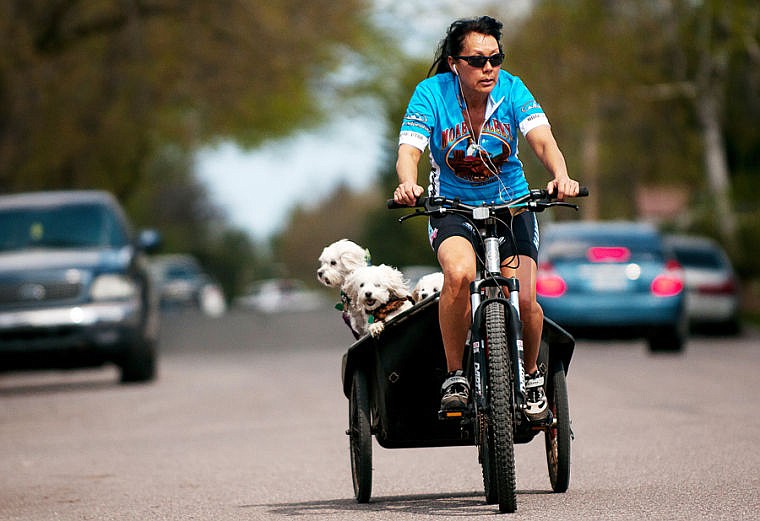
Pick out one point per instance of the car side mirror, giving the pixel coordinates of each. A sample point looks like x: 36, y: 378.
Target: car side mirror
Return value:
x: 149, y: 241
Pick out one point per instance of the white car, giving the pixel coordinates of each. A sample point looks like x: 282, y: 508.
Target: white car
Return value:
x: 281, y: 295
x: 712, y: 290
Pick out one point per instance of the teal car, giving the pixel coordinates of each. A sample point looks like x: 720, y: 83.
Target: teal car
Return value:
x: 612, y: 280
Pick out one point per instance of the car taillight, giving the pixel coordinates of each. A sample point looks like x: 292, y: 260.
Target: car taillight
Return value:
x: 608, y: 254
x: 727, y: 287
x: 549, y: 283
x: 670, y: 282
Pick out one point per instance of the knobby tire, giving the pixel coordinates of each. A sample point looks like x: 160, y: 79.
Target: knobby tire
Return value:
x: 488, y: 461
x: 501, y: 423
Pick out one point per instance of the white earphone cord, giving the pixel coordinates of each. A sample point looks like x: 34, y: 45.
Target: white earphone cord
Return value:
x: 503, y: 189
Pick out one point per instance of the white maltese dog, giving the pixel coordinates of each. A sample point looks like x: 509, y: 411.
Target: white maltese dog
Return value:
x: 336, y: 262
x: 427, y: 285
x: 382, y: 292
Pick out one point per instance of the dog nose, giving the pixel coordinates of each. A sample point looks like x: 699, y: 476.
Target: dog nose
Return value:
x: 368, y: 294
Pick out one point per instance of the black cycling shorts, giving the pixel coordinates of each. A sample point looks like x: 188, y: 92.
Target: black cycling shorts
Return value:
x: 521, y: 240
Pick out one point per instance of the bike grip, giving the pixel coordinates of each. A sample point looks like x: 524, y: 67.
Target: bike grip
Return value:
x: 391, y: 204
x: 582, y: 192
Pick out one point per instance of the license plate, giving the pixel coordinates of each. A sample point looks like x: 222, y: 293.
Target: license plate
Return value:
x: 605, y: 278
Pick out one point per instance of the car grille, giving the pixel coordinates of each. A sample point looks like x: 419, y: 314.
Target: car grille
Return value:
x: 27, y: 293
x: 38, y: 337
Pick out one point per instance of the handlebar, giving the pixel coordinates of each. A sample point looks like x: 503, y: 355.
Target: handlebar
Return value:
x: 536, y: 200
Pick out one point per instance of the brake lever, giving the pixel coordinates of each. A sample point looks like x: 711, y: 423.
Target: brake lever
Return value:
x: 563, y: 204
x: 416, y: 213
x: 540, y: 206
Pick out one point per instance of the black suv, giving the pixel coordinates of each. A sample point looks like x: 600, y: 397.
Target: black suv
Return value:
x: 74, y: 285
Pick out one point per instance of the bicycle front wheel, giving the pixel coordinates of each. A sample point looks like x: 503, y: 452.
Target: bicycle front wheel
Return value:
x: 501, y: 421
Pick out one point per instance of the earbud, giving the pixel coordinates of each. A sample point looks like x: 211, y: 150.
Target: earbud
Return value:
x: 454, y: 68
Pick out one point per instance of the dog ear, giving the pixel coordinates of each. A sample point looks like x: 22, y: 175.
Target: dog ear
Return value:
x: 353, y: 255
x: 397, y: 284
x: 349, y: 285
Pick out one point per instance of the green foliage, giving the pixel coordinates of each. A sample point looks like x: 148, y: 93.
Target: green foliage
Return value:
x: 390, y: 242
x: 309, y: 229
x: 394, y: 243
x: 175, y: 203
x: 92, y: 91
x: 233, y: 260
x: 117, y: 95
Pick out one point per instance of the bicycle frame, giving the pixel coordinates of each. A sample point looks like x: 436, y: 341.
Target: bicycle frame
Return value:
x: 490, y: 286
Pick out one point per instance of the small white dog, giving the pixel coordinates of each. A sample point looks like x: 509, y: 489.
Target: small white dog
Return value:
x: 427, y: 285
x: 336, y: 262
x: 382, y: 293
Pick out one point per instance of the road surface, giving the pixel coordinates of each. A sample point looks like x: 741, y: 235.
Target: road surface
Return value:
x: 247, y: 421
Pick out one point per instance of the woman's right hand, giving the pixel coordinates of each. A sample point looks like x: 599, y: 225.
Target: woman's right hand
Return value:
x: 407, y: 193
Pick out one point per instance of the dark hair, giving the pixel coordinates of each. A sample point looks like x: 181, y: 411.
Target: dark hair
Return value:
x: 451, y: 45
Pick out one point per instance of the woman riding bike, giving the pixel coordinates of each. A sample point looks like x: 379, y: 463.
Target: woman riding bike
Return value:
x: 468, y: 114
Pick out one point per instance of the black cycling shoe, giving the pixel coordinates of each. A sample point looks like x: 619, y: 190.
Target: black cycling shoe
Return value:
x: 455, y: 392
x: 537, y: 407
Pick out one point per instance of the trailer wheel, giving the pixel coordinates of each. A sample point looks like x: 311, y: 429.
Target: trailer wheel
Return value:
x: 360, y: 437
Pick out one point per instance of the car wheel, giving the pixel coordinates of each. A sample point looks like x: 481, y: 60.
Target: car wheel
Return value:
x: 731, y: 327
x: 139, y: 363
x: 667, y: 340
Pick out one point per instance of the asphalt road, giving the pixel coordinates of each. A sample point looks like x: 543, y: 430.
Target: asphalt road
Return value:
x: 247, y: 422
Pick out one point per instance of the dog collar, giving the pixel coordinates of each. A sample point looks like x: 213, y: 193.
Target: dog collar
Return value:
x: 386, y: 309
x: 344, y: 301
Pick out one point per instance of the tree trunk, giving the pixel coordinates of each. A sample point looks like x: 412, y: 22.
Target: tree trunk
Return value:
x: 590, y: 167
x: 716, y: 168
x: 710, y: 86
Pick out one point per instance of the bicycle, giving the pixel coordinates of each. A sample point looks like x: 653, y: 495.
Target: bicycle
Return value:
x: 400, y: 415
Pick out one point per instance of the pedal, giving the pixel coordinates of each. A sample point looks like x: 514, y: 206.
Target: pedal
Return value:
x: 456, y: 414
x: 540, y: 425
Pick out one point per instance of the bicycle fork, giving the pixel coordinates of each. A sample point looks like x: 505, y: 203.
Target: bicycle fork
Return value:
x: 491, y: 286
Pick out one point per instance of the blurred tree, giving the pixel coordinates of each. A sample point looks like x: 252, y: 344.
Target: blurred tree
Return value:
x: 383, y: 87
x: 234, y: 261
x: 117, y: 94
x: 709, y: 43
x: 583, y: 73
x: 637, y: 93
x: 391, y: 242
x: 309, y: 229
x: 174, y: 202
x: 90, y: 91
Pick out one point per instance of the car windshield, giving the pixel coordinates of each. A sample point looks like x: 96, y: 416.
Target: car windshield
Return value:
x: 698, y: 257
x: 572, y: 247
x: 84, y: 225
x: 181, y: 272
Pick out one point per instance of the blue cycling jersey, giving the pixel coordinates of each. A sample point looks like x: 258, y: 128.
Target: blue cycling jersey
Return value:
x: 476, y: 172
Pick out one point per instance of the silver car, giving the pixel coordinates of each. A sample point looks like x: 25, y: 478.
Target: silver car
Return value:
x: 712, y: 291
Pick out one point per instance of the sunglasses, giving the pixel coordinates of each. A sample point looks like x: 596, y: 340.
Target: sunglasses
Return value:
x: 480, y: 61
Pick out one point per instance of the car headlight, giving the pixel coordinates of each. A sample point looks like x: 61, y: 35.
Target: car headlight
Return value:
x: 113, y: 287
